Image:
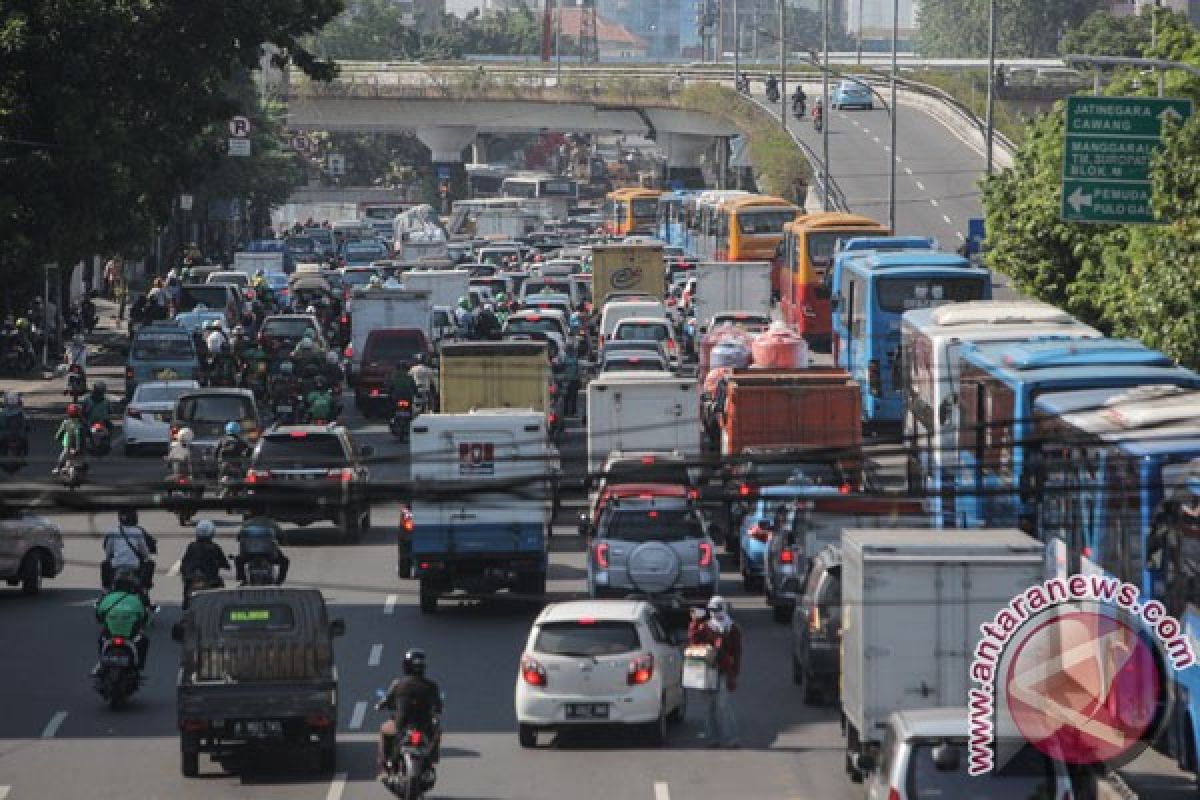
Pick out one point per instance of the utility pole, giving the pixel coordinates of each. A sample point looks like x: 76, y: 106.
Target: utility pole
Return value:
x: 557, y: 44
x: 737, y: 41
x: 991, y: 79
x: 860, y: 31
x: 825, y: 103
x: 783, y: 95
x: 891, y: 114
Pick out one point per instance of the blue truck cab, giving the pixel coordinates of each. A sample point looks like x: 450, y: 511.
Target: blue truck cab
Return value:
x: 161, y: 351
x: 876, y: 289
x: 998, y: 386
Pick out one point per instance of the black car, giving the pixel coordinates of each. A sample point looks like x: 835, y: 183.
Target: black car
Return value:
x: 308, y: 473
x: 816, y: 629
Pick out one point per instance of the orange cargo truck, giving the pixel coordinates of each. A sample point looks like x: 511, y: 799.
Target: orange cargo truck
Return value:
x: 819, y: 407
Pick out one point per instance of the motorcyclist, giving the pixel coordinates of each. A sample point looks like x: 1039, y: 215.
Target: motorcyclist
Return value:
x: 259, y: 536
x: 282, y: 386
x: 215, y: 339
x: 799, y: 98
x: 14, y: 422
x: 77, y: 352
x: 69, y: 435
x: 123, y: 612
x: 404, y: 387
x: 238, y: 343
x: 180, y: 457
x: 772, y: 87
x: 417, y: 703
x: 97, y: 408
x: 233, y: 451
x: 334, y: 374
x: 255, y: 362
x: 463, y: 316
x: 129, y: 547
x: 487, y: 325
x: 306, y: 357
x: 426, y: 380
x: 319, y: 401
x: 203, y: 555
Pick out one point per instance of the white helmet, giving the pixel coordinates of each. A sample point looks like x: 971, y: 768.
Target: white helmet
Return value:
x: 185, y: 436
x: 205, y: 529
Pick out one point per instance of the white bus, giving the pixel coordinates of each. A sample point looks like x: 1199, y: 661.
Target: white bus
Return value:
x: 560, y: 193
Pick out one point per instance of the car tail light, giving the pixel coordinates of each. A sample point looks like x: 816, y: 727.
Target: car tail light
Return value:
x: 192, y: 725
x: 602, y: 555
x: 349, y: 351
x: 706, y: 554
x: 786, y: 556
x: 174, y: 431
x: 344, y: 475
x: 553, y: 389
x: 641, y: 670
x: 406, y: 522
x: 693, y: 494
x: 893, y: 793
x: 745, y: 490
x: 374, y: 393
x: 318, y: 720
x: 760, y: 533
x: 258, y: 476
x: 532, y: 672
x: 345, y: 320
x: 874, y: 381
x: 403, y: 404
x: 299, y: 434
x: 671, y: 345
x: 553, y: 418
x: 135, y: 413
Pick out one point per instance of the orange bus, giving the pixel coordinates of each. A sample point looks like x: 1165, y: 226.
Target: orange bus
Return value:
x: 631, y: 211
x: 807, y: 253
x: 751, y: 228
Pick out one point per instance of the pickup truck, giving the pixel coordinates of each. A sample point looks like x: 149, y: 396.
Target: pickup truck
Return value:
x: 257, y: 669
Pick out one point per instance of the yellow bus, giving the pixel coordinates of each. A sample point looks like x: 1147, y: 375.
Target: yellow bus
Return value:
x: 631, y: 211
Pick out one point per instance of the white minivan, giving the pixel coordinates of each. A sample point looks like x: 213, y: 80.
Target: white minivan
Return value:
x: 616, y: 311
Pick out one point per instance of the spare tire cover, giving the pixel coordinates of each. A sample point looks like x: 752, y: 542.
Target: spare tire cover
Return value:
x: 653, y: 567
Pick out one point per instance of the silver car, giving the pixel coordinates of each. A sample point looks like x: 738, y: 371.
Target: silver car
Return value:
x: 654, y: 546
x: 31, y: 549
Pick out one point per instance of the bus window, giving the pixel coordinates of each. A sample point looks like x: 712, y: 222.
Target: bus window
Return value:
x: 1173, y: 552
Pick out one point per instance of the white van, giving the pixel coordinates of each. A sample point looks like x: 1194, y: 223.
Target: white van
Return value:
x: 615, y: 312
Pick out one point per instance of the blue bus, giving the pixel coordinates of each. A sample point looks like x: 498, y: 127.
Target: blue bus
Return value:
x: 1119, y: 483
x: 672, y: 218
x: 998, y: 385
x: 876, y: 290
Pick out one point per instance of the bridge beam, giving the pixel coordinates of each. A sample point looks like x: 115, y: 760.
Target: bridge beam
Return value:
x: 684, y: 149
x: 447, y: 142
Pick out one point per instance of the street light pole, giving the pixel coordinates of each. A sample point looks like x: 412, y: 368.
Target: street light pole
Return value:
x: 558, y: 44
x: 783, y: 95
x: 860, y: 30
x: 737, y: 41
x: 991, y: 81
x: 892, y: 120
x: 825, y: 103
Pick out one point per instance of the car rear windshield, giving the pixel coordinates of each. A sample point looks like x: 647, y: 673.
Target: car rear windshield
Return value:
x: 903, y: 294
x: 175, y: 346
x: 216, y: 408
x: 287, y: 327
x: 637, y: 331
x: 300, y: 450
x: 752, y: 222
x: 659, y: 471
x: 651, y: 525
x: 587, y: 638
x: 1027, y: 776
x: 544, y: 325
x: 358, y: 277
x: 808, y: 473
x: 393, y: 347
x: 215, y: 296
x: 160, y: 394
x: 645, y: 207
x: 634, y: 364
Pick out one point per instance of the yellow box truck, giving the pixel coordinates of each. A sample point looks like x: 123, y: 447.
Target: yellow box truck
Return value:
x: 627, y: 268
x: 509, y: 374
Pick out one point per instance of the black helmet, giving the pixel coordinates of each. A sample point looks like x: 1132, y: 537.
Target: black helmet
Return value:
x: 126, y: 581
x: 127, y: 516
x: 414, y: 662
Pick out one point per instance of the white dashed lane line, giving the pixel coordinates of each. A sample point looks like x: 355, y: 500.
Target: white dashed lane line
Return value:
x: 933, y: 202
x: 53, y: 725
x: 4, y: 790
x: 336, y: 787
x: 376, y: 655
x: 907, y: 170
x: 360, y: 712
x: 389, y: 605
x: 920, y: 186
x: 960, y: 235
x: 173, y: 572
x: 875, y: 139
x: 661, y: 792
x: 947, y: 218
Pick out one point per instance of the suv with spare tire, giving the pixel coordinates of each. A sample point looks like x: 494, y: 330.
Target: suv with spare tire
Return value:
x: 654, y: 546
x: 307, y: 473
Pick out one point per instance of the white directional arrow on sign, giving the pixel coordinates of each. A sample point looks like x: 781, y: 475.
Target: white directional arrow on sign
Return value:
x: 1169, y: 113
x: 1078, y: 199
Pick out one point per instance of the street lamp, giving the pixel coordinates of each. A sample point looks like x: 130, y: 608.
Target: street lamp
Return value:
x: 891, y: 112
x: 991, y: 81
x: 825, y: 200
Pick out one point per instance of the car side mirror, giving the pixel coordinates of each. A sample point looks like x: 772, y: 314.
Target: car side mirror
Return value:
x: 946, y: 757
x: 366, y: 451
x: 337, y: 627
x: 177, y: 632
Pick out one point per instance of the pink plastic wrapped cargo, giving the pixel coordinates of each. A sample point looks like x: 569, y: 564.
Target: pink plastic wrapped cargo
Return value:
x: 712, y: 338
x: 779, y: 347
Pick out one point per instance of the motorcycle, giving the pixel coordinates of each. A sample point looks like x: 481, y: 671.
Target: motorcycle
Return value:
x: 198, y: 581
x: 408, y: 770
x: 75, y: 470
x: 260, y: 572
x: 99, y: 442
x: 183, y: 495
x: 818, y: 118
x: 772, y: 93
x: 117, y: 675
x: 76, y: 382
x: 289, y: 409
x: 798, y: 107
x: 401, y: 421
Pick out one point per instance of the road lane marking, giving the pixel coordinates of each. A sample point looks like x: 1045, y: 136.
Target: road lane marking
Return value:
x: 933, y: 202
x: 174, y: 570
x: 376, y: 655
x: 53, y: 725
x: 4, y: 790
x: 661, y: 792
x: 356, y: 719
x: 887, y: 147
x: 920, y: 186
x: 947, y: 218
x: 875, y: 139
x: 866, y: 130
x: 336, y: 787
x: 389, y: 605
x: 907, y: 170
x: 900, y: 160
x: 960, y: 235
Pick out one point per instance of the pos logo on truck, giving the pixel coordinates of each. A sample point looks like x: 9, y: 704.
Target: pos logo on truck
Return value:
x: 626, y: 277
x: 476, y: 458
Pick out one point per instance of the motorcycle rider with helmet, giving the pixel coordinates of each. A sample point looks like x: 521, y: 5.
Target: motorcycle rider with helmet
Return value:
x: 319, y: 401
x: 122, y: 612
x: 417, y: 702
x: 426, y: 381
x: 69, y: 436
x: 129, y: 547
x: 180, y: 457
x: 97, y: 408
x: 203, y: 555
x: 15, y: 423
x: 233, y: 452
x: 259, y: 536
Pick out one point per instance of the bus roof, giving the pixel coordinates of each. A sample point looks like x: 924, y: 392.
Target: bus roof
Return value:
x: 888, y: 243
x: 736, y: 204
x: 1058, y: 353
x: 989, y: 312
x: 833, y: 220
x: 926, y: 259
x: 1146, y: 423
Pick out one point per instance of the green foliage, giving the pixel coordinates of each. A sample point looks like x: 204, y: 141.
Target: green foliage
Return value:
x: 1024, y: 28
x: 109, y: 110
x: 1140, y: 281
x: 969, y: 87
x: 1104, y: 34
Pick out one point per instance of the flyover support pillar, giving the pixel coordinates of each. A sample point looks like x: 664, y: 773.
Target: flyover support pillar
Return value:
x: 446, y: 144
x: 684, y: 153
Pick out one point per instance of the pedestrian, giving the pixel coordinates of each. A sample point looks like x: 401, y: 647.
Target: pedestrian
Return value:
x: 714, y: 627
x: 110, y: 277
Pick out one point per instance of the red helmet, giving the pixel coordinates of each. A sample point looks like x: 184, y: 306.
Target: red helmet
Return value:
x: 73, y: 410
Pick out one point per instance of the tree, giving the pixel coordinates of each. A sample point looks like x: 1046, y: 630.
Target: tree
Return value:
x: 1024, y: 28
x: 1104, y: 34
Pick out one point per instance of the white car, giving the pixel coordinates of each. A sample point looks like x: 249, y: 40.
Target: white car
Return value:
x: 924, y: 754
x: 148, y: 413
x: 599, y: 662
x: 649, y: 329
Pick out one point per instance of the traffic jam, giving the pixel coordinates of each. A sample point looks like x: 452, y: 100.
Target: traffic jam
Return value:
x: 717, y: 401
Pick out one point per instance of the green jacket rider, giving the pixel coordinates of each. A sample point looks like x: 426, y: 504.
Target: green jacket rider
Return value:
x: 320, y: 403
x: 403, y: 385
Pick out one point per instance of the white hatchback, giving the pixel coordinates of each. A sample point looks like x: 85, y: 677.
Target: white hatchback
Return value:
x: 148, y: 413
x: 599, y: 662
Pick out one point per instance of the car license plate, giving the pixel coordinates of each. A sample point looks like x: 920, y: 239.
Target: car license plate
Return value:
x: 587, y: 710
x: 259, y: 728
x: 117, y: 659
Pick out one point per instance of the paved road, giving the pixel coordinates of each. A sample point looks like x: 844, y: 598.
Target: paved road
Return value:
x: 56, y: 736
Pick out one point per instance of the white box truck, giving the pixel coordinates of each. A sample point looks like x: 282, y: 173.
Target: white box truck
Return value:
x: 731, y: 286
x: 482, y: 509
x: 640, y: 411
x: 445, y: 286
x: 250, y: 263
x: 912, y: 604
x: 376, y: 309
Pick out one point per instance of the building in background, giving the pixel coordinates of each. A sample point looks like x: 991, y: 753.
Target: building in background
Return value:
x: 614, y: 41
x: 424, y: 15
x: 872, y: 20
x: 657, y: 22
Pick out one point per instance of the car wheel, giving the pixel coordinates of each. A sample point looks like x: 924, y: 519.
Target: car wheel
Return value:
x: 527, y: 735
x: 366, y: 521
x: 328, y: 757
x: 351, y: 525
x: 427, y: 597
x: 189, y: 757
x: 404, y: 564
x: 813, y: 694
x: 656, y: 731
x: 678, y: 714
x: 31, y: 572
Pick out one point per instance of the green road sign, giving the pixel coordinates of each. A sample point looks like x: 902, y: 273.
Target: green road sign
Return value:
x: 1106, y: 158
